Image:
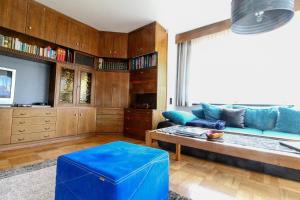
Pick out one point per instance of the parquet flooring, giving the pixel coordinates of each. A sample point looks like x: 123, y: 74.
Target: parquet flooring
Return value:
x: 191, y: 177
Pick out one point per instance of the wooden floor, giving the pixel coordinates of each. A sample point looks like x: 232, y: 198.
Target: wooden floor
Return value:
x: 191, y: 177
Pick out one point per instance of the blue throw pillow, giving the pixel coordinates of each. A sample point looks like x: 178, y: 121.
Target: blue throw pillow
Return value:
x: 199, y: 112
x: 260, y: 118
x: 212, y: 112
x: 288, y: 121
x: 179, y: 117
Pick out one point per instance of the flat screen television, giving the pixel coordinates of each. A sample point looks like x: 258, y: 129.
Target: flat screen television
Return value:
x: 7, y: 85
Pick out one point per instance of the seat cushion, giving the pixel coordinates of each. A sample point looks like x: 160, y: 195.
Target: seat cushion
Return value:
x: 179, y: 117
x: 288, y: 121
x: 260, y: 118
x: 251, y: 131
x: 281, y: 135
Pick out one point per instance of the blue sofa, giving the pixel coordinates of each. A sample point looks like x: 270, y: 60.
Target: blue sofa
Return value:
x: 277, y: 122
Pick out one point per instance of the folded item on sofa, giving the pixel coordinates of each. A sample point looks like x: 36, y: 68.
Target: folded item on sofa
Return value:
x: 213, y: 124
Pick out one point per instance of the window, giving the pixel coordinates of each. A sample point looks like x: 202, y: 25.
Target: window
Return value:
x: 247, y: 69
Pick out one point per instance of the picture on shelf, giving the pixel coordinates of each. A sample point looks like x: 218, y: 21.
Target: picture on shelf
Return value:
x: 7, y: 85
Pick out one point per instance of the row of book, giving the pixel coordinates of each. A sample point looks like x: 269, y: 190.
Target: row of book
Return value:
x: 14, y: 43
x: 108, y: 65
x: 144, y: 62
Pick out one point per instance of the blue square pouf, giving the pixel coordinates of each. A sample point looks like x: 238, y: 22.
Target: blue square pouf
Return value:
x: 117, y: 170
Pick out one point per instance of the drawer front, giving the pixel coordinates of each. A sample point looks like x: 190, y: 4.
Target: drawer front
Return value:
x: 110, y: 111
x: 17, y: 130
x: 43, y: 120
x: 135, y: 133
x: 21, y: 121
x: 43, y: 128
x: 44, y: 112
x: 137, y: 115
x: 47, y: 135
x: 19, y: 138
x: 22, y: 113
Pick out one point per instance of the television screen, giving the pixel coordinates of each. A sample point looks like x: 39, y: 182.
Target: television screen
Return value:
x: 6, y: 80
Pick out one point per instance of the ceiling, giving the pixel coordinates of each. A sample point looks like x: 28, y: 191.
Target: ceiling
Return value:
x: 126, y: 15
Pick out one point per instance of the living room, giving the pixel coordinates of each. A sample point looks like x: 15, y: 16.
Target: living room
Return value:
x: 149, y: 100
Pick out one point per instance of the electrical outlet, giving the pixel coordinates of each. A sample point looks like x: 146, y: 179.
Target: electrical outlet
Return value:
x: 171, y: 101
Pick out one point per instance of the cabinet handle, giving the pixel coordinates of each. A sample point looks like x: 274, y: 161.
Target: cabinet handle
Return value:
x: 29, y: 27
x: 75, y: 115
x: 80, y: 114
x: 46, y: 128
x: 21, y: 131
x: 77, y: 43
x: 22, y: 114
x: 48, y: 113
x: 46, y: 136
x: 47, y: 121
x: 20, y: 139
x: 22, y: 122
x: 110, y: 52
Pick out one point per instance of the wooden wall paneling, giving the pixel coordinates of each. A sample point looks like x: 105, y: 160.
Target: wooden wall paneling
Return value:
x: 5, y: 125
x: 13, y: 14
x: 87, y: 120
x: 67, y: 121
x: 35, y: 22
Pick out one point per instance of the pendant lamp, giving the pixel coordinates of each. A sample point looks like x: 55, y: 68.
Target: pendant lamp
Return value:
x: 259, y: 16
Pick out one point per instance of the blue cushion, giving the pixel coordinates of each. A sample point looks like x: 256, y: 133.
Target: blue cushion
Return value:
x: 251, y: 131
x: 281, y: 135
x: 179, y: 117
x: 260, y: 118
x: 288, y: 120
x: 117, y: 170
x: 212, y: 112
x: 198, y: 112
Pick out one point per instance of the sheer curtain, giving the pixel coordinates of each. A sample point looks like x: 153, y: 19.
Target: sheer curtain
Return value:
x: 247, y: 69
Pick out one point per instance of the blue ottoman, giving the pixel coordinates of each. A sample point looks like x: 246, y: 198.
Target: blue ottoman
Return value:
x: 117, y: 170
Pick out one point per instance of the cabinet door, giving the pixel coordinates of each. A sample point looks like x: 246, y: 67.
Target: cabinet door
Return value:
x: 67, y: 121
x: 62, y: 31
x: 106, y: 44
x: 87, y: 120
x: 147, y: 35
x: 66, y: 82
x: 5, y: 125
x: 74, y: 34
x: 120, y: 45
x: 86, y: 86
x: 120, y: 90
x: 51, y: 18
x: 13, y: 14
x: 89, y: 40
x: 35, y: 24
x: 132, y: 43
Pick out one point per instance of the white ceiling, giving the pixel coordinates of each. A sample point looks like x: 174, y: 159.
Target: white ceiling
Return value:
x: 126, y: 15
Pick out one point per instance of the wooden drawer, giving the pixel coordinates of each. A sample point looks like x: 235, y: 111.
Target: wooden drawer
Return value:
x: 44, y: 112
x: 110, y: 111
x: 43, y: 120
x: 19, y: 138
x: 43, y: 128
x: 138, y: 115
x: 22, y: 112
x: 17, y: 130
x: 135, y: 133
x: 22, y: 121
x: 47, y: 135
x: 143, y: 75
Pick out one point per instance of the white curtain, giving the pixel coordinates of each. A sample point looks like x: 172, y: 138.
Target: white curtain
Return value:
x: 247, y: 69
x: 183, y: 73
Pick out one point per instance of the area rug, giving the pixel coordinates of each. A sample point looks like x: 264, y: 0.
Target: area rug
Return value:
x: 37, y: 182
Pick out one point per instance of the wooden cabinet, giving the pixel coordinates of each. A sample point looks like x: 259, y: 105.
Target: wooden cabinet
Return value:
x: 51, y: 20
x: 138, y: 121
x: 143, y: 81
x: 142, y: 41
x: 87, y: 120
x: 62, y: 30
x: 35, y: 23
x: 74, y: 33
x: 112, y: 89
x: 65, y: 85
x: 13, y: 14
x: 113, y: 45
x: 89, y: 40
x: 110, y: 120
x: 5, y: 125
x: 67, y: 121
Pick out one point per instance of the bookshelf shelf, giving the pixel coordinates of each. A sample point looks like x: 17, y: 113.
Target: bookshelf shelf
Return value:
x: 27, y: 56
x: 117, y: 70
x: 144, y: 69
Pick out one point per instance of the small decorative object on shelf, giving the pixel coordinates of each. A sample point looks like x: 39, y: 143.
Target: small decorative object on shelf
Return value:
x: 112, y: 65
x: 15, y: 44
x: 143, y: 62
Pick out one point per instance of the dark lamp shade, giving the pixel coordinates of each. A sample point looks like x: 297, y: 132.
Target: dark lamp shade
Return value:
x: 259, y: 16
